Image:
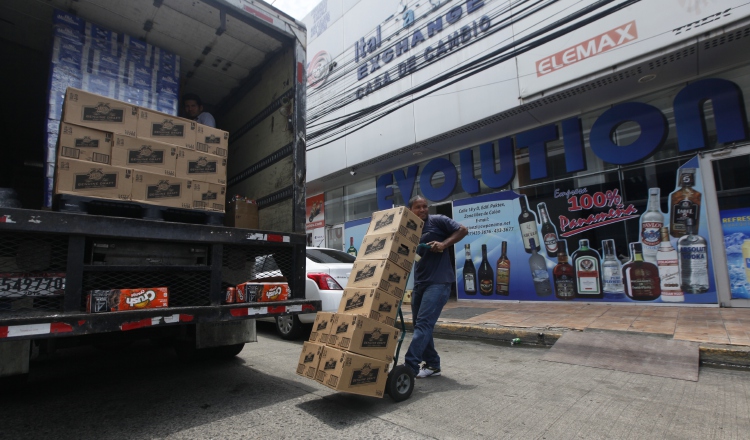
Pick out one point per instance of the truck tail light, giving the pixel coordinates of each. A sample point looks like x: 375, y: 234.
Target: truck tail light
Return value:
x: 325, y: 281
x: 308, y: 308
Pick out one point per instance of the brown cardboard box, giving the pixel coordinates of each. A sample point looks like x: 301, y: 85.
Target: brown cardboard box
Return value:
x: 321, y: 327
x: 83, y: 143
x: 241, y: 214
x: 389, y: 246
x: 400, y: 220
x: 166, y: 128
x: 144, y: 155
x: 370, y: 303
x: 99, y: 112
x: 379, y: 274
x: 352, y: 373
x: 211, y: 140
x: 195, y: 165
x: 89, y: 179
x: 209, y: 196
x: 309, y: 359
x: 364, y: 336
x: 161, y: 190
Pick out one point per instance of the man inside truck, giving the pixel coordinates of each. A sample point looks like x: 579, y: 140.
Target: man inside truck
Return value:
x: 194, y: 110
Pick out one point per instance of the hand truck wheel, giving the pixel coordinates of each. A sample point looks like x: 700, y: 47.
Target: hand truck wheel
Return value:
x: 400, y: 383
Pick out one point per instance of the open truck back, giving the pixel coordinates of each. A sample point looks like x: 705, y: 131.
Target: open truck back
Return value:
x: 246, y: 60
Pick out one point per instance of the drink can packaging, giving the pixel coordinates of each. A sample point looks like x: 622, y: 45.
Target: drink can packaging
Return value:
x: 230, y: 295
x: 241, y: 294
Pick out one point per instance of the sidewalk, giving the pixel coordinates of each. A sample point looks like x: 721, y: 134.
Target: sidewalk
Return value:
x: 723, y: 333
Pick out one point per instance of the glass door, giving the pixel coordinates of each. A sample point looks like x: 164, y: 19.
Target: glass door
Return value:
x: 335, y: 239
x: 727, y: 200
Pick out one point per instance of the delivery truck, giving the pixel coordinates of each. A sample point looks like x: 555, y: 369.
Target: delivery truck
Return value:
x: 80, y: 270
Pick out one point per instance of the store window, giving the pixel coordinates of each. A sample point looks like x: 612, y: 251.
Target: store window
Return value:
x: 334, y: 206
x: 360, y: 199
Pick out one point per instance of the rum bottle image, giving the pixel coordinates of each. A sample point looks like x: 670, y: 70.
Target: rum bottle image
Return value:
x: 352, y: 250
x: 527, y: 224
x: 669, y: 270
x: 486, y: 276
x: 611, y: 272
x: 502, y: 271
x: 641, y: 278
x: 470, y: 273
x: 587, y: 266
x: 651, y: 222
x: 539, y: 273
x: 549, y: 233
x: 563, y: 274
x: 685, y: 204
x: 693, y: 260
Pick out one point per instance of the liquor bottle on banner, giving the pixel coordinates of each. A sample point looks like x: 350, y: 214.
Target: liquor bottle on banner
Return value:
x: 611, y: 272
x: 486, y: 277
x: 685, y: 204
x: 539, y: 273
x: 502, y: 269
x: 549, y: 233
x: 669, y: 270
x: 746, y: 259
x: 352, y: 250
x: 564, y: 274
x: 693, y: 258
x: 587, y: 266
x: 641, y: 278
x: 651, y: 222
x: 528, y: 226
x: 470, y: 273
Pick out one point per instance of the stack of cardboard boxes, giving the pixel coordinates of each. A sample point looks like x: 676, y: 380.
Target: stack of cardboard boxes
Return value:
x: 351, y: 350
x: 111, y: 149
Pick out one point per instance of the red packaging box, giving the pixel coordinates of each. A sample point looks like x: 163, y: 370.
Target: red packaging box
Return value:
x: 118, y: 300
x: 262, y: 292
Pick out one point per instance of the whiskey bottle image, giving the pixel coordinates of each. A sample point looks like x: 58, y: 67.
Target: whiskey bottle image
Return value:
x: 527, y: 224
x: 470, y: 273
x: 587, y: 265
x: 549, y: 233
x: 685, y: 204
x: 502, y: 269
x: 641, y: 278
x: 352, y: 250
x: 611, y: 272
x: 651, y: 222
x: 669, y: 270
x: 564, y: 274
x: 539, y: 274
x: 693, y: 260
x: 486, y: 277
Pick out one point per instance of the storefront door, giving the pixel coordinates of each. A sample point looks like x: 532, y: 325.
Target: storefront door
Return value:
x: 727, y: 200
x: 335, y: 239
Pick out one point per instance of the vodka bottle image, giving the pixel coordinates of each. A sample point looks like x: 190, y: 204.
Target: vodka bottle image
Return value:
x: 527, y: 224
x: 539, y: 273
x: 486, y: 276
x: 641, y: 278
x: 588, y: 268
x: 611, y: 272
x: 549, y: 233
x: 563, y: 274
x: 685, y: 204
x: 651, y: 222
x: 669, y: 270
x: 693, y: 260
x: 502, y: 271
x: 470, y: 273
x: 352, y: 250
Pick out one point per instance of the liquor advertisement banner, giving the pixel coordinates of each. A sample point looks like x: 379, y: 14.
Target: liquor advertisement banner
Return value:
x: 315, y: 213
x: 736, y: 226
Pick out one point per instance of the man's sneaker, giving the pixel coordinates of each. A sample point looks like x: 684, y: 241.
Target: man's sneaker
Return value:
x: 428, y: 372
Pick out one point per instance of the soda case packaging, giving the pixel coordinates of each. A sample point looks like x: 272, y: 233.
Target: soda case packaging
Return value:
x: 101, y: 38
x: 118, y: 300
x: 263, y: 292
x: 68, y: 26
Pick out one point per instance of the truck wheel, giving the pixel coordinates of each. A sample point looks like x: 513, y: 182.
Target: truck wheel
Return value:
x: 226, y: 351
x: 400, y: 383
x: 288, y: 327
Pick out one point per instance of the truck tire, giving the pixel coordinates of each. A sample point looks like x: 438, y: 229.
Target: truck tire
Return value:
x: 187, y: 352
x: 226, y: 351
x: 288, y: 327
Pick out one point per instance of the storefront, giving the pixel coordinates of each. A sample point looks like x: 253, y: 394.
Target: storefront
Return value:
x: 620, y: 177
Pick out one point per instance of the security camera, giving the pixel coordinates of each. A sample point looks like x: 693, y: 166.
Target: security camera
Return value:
x: 353, y: 172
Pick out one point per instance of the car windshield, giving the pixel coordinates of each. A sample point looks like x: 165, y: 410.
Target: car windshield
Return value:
x: 329, y: 256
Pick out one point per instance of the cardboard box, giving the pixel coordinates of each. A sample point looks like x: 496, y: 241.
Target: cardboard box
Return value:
x: 144, y: 155
x: 83, y: 143
x: 397, y: 220
x: 119, y: 300
x: 370, y: 303
x: 352, y: 373
x: 364, y: 336
x: 209, y: 196
x: 195, y: 165
x: 161, y: 190
x: 263, y: 292
x: 89, y: 179
x: 211, y: 140
x: 241, y: 214
x: 379, y: 274
x: 99, y: 112
x: 389, y: 246
x: 166, y: 128
x: 321, y: 327
x: 309, y: 359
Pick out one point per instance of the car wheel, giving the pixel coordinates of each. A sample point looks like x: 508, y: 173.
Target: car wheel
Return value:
x: 288, y: 327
